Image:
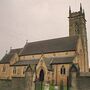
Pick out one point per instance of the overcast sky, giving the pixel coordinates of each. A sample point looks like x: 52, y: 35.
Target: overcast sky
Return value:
x: 35, y: 20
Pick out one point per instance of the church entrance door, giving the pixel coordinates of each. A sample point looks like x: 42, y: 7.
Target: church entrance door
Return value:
x: 39, y: 83
x: 41, y: 76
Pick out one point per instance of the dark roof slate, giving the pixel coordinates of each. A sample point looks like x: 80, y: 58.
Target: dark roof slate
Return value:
x: 7, y: 57
x: 48, y: 61
x: 18, y: 50
x: 62, y: 60
x: 26, y: 62
x: 50, y: 46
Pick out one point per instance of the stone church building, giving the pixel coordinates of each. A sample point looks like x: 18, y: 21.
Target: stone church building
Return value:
x: 60, y: 61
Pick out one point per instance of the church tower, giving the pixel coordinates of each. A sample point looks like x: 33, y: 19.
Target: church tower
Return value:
x: 77, y: 26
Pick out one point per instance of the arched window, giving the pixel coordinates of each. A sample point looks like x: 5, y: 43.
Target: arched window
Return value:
x: 63, y: 71
x: 14, y: 70
x: 4, y: 68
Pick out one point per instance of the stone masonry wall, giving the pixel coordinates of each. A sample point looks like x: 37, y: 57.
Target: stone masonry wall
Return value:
x: 83, y: 83
x: 14, y: 84
x: 18, y: 83
x: 5, y: 84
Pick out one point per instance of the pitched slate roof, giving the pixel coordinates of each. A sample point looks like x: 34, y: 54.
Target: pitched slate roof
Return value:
x: 62, y: 60
x: 17, y: 50
x: 26, y: 62
x: 48, y: 61
x: 7, y: 57
x: 49, y: 46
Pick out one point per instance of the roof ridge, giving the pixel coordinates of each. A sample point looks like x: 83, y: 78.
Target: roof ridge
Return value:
x: 52, y: 39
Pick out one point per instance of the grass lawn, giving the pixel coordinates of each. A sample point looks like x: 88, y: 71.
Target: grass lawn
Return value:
x: 52, y: 88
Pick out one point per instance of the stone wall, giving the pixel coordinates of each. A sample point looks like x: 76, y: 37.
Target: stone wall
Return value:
x: 18, y: 83
x: 83, y: 83
x: 5, y: 84
x: 14, y: 84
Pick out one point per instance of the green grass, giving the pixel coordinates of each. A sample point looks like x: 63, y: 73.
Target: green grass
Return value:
x: 65, y: 88
x: 51, y: 87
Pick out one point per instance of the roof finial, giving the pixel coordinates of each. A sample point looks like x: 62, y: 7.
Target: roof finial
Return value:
x: 6, y: 51
x: 26, y: 41
x: 10, y: 48
x: 80, y: 7
x: 83, y: 13
x: 69, y: 10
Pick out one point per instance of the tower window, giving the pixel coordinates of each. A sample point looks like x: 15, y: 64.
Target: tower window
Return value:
x: 14, y: 70
x: 63, y: 71
x: 77, y: 28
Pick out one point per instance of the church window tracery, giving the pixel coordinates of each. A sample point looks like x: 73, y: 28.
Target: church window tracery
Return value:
x: 4, y: 68
x: 14, y: 70
x: 63, y: 70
